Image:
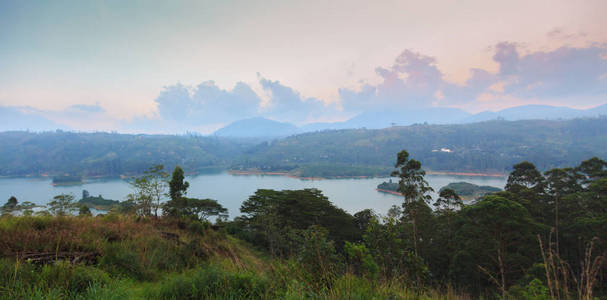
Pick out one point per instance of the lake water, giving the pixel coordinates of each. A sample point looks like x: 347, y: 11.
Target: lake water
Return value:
x: 353, y: 195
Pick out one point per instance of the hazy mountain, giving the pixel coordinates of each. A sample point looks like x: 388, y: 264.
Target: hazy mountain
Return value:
x: 257, y: 127
x: 260, y: 127
x: 385, y: 118
x: 531, y: 112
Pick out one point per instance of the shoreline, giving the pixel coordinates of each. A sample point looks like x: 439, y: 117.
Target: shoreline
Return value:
x: 471, y: 174
x: 291, y: 175
x: 389, y: 192
x: 275, y: 173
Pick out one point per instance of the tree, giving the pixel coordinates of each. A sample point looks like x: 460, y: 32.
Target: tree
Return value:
x: 271, y: 215
x: 558, y: 183
x: 527, y: 184
x: 27, y: 208
x: 177, y: 189
x: 448, y: 200
x: 593, y: 169
x: 84, y: 210
x: 10, y: 206
x: 363, y: 218
x: 446, y: 204
x: 62, y: 205
x: 204, y: 208
x: 524, y: 174
x: 413, y: 187
x: 177, y: 186
x: 498, y: 232
x: 150, y: 190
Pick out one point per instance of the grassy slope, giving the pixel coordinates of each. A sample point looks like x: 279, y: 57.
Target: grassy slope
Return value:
x: 137, y: 261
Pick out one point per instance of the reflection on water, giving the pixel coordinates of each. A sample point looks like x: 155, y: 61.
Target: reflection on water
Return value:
x: 231, y: 190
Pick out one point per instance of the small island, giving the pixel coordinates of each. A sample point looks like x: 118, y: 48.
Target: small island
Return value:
x: 67, y: 180
x: 469, y: 191
x: 388, y: 187
x: 98, y: 203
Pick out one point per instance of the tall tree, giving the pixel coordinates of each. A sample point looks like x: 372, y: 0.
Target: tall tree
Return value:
x: 204, y: 208
x: 524, y: 174
x: 177, y: 186
x: 499, y: 234
x: 558, y: 183
x: 413, y: 187
x: 62, y: 205
x: 177, y: 190
x: 10, y: 206
x: 150, y: 190
x: 593, y: 169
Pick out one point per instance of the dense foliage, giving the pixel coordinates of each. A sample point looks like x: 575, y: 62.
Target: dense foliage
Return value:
x: 470, y: 191
x: 111, y: 154
x: 543, y: 237
x: 492, y: 146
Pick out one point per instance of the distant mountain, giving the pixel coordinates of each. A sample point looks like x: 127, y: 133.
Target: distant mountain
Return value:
x: 447, y: 115
x: 386, y: 118
x: 537, y: 112
x: 383, y: 119
x: 257, y: 127
x: 378, y: 119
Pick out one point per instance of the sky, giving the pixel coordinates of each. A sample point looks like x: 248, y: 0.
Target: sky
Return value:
x: 166, y: 66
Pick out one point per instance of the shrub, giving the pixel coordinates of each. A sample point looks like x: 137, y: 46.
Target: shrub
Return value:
x: 212, y: 281
x: 119, y: 259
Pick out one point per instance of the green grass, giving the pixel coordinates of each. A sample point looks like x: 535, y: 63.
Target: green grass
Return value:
x: 136, y: 262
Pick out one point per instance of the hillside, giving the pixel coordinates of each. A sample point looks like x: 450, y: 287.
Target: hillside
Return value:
x: 486, y: 147
x: 110, y: 154
x: 492, y: 146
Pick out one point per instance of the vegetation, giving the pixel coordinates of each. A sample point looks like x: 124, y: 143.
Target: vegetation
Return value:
x: 98, y: 202
x: 487, y: 147
x: 67, y: 180
x: 544, y: 237
x: 470, y: 191
x: 111, y: 154
x: 493, y: 146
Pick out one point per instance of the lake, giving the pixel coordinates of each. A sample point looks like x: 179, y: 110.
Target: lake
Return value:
x: 229, y: 190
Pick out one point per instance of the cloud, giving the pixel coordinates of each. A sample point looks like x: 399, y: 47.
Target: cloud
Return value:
x: 286, y: 104
x: 207, y: 103
x: 412, y: 81
x: 560, y: 73
x: 557, y: 76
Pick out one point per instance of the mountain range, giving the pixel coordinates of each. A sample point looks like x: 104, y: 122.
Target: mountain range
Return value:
x: 261, y: 127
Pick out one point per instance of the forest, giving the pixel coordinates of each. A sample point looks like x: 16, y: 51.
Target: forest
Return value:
x: 487, y: 147
x: 543, y: 237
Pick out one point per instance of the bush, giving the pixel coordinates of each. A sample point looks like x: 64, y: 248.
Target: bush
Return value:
x: 83, y: 277
x: 118, y: 259
x: 197, y: 227
x: 361, y: 260
x: 212, y: 281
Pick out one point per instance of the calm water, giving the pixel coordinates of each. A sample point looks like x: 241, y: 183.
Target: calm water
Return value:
x: 231, y: 190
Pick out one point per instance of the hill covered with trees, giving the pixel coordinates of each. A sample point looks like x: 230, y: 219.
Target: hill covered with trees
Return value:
x: 111, y: 154
x: 492, y: 146
x: 487, y: 147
